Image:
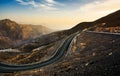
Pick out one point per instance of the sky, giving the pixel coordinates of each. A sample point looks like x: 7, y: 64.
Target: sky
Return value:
x: 56, y: 14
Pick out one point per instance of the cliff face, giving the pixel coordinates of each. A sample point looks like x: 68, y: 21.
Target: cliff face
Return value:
x: 15, y: 32
x: 10, y: 29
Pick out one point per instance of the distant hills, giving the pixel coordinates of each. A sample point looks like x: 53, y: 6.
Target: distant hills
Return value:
x: 11, y: 32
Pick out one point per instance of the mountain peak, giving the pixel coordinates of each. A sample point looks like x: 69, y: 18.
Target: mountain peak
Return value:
x: 7, y: 21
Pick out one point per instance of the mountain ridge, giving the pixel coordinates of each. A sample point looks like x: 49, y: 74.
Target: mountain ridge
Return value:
x: 15, y: 32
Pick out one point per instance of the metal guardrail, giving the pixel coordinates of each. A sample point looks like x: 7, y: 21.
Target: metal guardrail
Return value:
x: 103, y: 33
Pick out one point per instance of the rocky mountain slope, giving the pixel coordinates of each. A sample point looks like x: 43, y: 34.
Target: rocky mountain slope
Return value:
x: 12, y: 32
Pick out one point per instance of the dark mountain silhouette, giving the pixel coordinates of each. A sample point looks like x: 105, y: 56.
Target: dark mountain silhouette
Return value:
x: 112, y: 19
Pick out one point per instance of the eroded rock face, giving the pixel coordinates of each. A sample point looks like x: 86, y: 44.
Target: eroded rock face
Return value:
x: 5, y: 42
x: 15, y: 33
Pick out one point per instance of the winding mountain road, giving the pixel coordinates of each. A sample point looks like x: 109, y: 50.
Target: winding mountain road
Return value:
x: 10, y: 68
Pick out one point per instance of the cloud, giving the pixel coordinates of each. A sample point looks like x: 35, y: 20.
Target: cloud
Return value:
x: 97, y: 9
x: 30, y: 2
x: 51, y: 1
x: 45, y: 5
x: 100, y: 6
x: 21, y: 2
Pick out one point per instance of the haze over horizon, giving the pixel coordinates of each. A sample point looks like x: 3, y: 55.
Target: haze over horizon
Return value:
x: 56, y: 14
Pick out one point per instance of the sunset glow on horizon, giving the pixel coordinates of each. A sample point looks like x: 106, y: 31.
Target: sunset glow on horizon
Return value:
x: 56, y: 14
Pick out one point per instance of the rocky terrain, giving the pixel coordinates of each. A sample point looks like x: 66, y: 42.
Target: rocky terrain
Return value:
x: 12, y: 33
x: 90, y: 53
